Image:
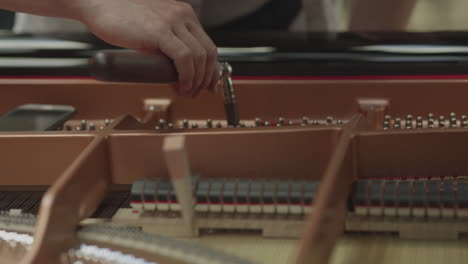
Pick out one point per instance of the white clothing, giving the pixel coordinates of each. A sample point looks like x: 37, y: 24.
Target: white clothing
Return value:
x: 317, y: 15
x: 211, y: 13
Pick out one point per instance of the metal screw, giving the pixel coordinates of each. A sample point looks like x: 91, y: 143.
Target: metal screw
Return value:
x: 281, y: 121
x: 162, y: 123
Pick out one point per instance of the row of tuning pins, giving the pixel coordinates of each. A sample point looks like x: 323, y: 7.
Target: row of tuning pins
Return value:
x: 257, y: 122
x: 430, y: 122
x: 162, y: 124
x: 305, y: 121
x: 85, y: 126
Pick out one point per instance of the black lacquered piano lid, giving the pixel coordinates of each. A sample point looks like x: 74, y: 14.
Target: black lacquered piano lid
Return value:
x: 265, y: 54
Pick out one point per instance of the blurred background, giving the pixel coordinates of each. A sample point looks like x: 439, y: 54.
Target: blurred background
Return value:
x: 427, y: 15
x: 295, y: 37
x: 436, y: 15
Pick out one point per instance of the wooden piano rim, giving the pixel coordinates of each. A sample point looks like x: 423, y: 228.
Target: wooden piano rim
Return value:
x: 322, y: 227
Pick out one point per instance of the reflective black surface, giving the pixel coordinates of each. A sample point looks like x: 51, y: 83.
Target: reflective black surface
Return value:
x: 277, y: 53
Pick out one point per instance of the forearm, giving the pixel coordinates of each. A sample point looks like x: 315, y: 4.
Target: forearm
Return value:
x: 72, y: 9
x: 151, y: 26
x: 381, y: 15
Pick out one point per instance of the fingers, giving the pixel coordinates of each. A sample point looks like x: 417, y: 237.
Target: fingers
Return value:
x: 214, y: 81
x: 213, y: 85
x: 199, y: 57
x: 168, y: 26
x: 212, y: 71
x: 183, y: 60
x: 189, y: 30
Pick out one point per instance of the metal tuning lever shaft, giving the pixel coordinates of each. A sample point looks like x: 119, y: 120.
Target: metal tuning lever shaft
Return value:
x: 230, y: 100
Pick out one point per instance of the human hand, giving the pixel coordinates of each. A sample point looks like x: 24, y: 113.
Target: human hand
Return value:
x: 158, y: 26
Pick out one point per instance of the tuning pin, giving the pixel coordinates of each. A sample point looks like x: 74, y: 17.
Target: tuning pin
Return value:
x: 258, y: 121
x: 408, y: 124
x: 83, y: 124
x: 453, y: 115
x: 465, y: 123
x: 107, y: 122
x: 209, y: 123
x: 339, y: 122
x: 267, y: 123
x: 170, y: 126
x: 387, y: 118
x: 419, y: 125
x: 305, y: 120
x: 397, y: 123
x: 453, y: 122
x: 386, y: 125
x: 463, y: 117
x: 409, y: 117
x: 291, y: 123
x: 281, y: 121
x: 219, y: 125
x: 162, y: 123
x: 185, y: 123
x: 430, y: 116
x: 441, y: 121
x: 157, y: 127
x: 101, y: 127
x: 92, y: 126
x: 78, y: 128
x: 329, y: 120
x: 419, y: 119
x: 194, y: 125
x: 315, y: 122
